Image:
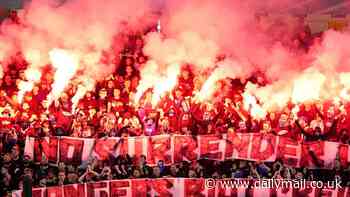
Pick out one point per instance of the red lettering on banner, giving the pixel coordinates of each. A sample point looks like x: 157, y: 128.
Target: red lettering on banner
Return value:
x: 162, y: 186
x: 238, y: 191
x: 273, y: 192
x: 210, y: 147
x: 343, y: 151
x: 76, y: 190
x: 321, y: 192
x: 326, y: 192
x: 249, y: 192
x: 184, y: 148
x: 239, y: 143
x: 263, y: 147
x: 283, y: 191
x: 71, y: 150
x: 105, y: 147
x: 238, y: 146
x: 37, y: 192
x: 311, y: 154
x: 343, y: 192
x: 158, y: 150
x: 193, y: 187
x: 138, y: 148
x: 227, y: 192
x: 182, y: 187
x: 119, y: 188
x: 347, y: 192
x: 211, y: 192
x: 97, y: 189
x: 123, y: 146
x: 54, y: 192
x: 46, y: 146
x: 288, y: 151
x: 139, y: 187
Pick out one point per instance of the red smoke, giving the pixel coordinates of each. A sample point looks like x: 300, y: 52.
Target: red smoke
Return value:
x: 195, y: 32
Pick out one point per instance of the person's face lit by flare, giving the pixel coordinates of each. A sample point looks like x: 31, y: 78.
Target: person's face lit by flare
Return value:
x: 129, y: 70
x: 110, y: 84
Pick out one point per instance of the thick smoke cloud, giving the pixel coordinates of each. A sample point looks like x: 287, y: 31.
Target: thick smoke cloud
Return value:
x: 197, y: 32
x: 254, y: 43
x: 234, y: 26
x: 85, y: 27
x: 194, y: 32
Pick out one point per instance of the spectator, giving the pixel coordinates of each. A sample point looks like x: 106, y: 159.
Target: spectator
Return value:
x: 109, y: 111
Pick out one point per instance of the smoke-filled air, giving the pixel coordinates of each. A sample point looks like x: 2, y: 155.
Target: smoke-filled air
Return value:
x: 79, y: 42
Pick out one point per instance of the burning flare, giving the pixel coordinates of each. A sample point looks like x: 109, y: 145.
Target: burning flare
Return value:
x: 149, y: 77
x: 250, y: 104
x: 1, y: 71
x: 33, y: 76
x: 308, y: 86
x: 226, y: 68
x: 161, y: 83
x: 66, y: 65
x: 209, y: 86
x: 167, y: 83
x: 24, y: 86
x: 345, y: 81
x: 87, y: 85
x: 272, y: 97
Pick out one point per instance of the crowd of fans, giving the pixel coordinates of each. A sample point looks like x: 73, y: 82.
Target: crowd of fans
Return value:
x: 110, y: 111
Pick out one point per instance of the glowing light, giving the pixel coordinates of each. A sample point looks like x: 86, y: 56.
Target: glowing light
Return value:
x: 161, y: 82
x: 345, y: 81
x: 344, y: 94
x: 337, y: 101
x: 32, y: 75
x: 33, y: 56
x: 66, y: 65
x: 226, y: 68
x: 250, y: 104
x: 159, y: 27
x: 24, y: 86
x: 308, y: 86
x: 272, y: 97
x: 295, y: 111
x: 1, y: 71
x: 209, y: 86
x: 167, y: 83
x: 87, y: 85
x: 149, y: 77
